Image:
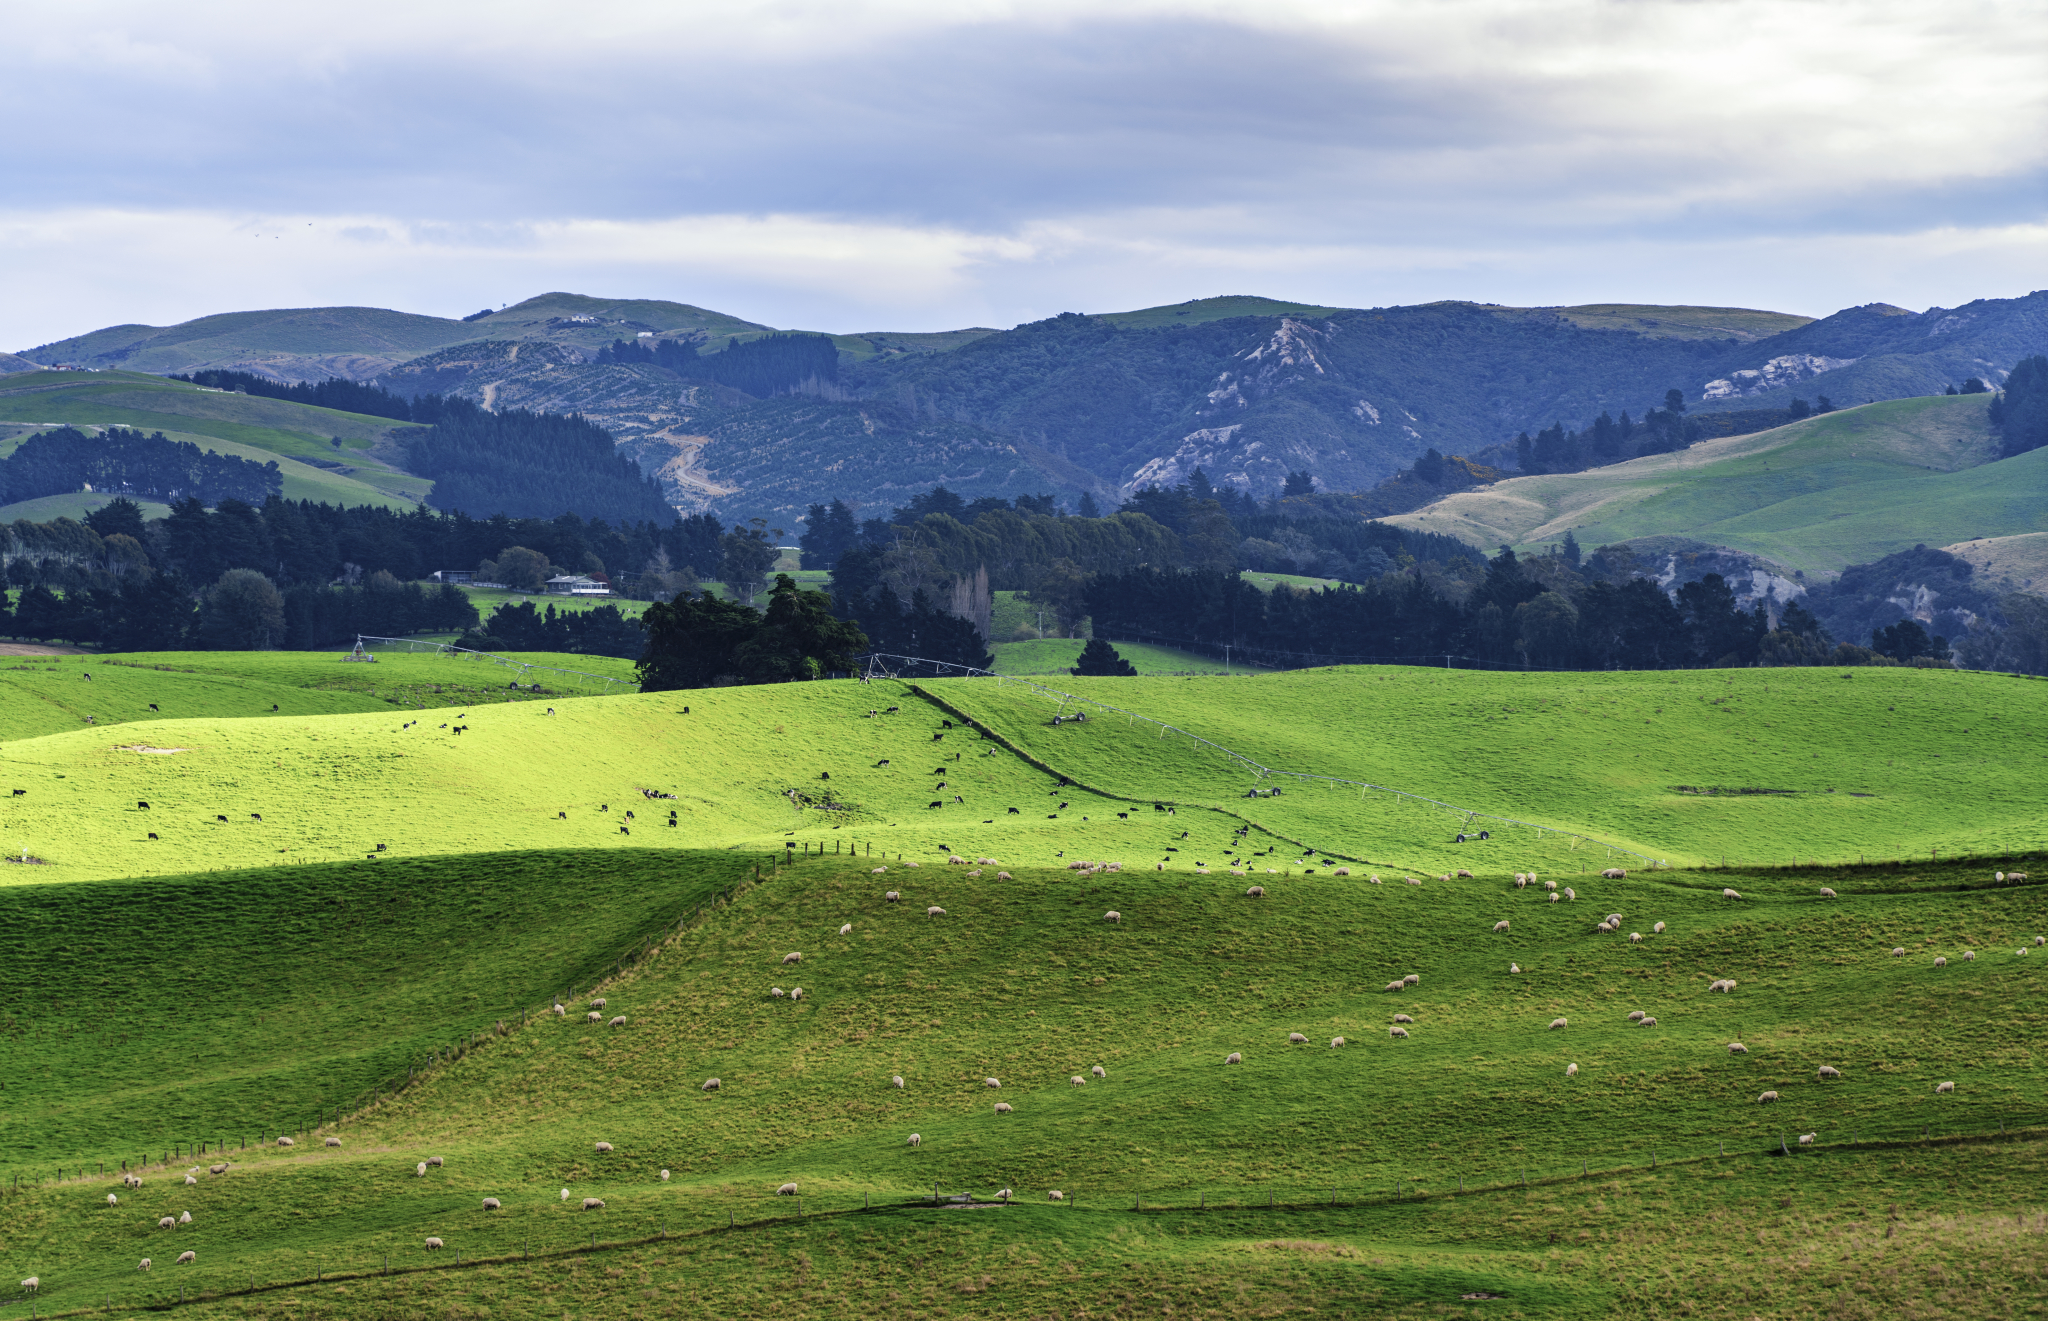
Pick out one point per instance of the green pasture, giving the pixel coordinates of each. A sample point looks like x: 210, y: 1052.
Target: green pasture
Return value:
x: 1843, y: 488
x: 154, y: 403
x: 74, y: 505
x: 1394, y: 1167
x: 1057, y: 656
x: 487, y: 599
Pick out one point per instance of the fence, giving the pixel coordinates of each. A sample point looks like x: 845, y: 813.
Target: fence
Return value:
x: 876, y: 665
x: 412, y: 645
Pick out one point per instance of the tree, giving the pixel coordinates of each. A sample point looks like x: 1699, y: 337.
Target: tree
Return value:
x: 1674, y: 401
x: 1570, y: 549
x: 832, y: 532
x: 1547, y: 628
x: 745, y: 558
x: 518, y: 568
x: 1975, y: 385
x: 2020, y: 413
x: 798, y: 638
x: 1906, y: 641
x: 691, y: 641
x: 1298, y: 483
x: 242, y: 611
x: 1088, y: 508
x: 1064, y: 589
x: 1100, y: 659
x: 1800, y: 408
x: 118, y: 517
x: 2021, y: 647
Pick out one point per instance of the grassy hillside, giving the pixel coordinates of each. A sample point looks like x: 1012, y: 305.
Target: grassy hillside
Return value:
x: 2008, y: 564
x: 1056, y: 656
x: 1657, y: 322
x: 1198, y: 310
x: 1844, y: 488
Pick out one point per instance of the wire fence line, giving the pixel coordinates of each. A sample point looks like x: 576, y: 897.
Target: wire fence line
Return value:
x: 877, y: 665
x: 699, y: 1214
x: 414, y: 645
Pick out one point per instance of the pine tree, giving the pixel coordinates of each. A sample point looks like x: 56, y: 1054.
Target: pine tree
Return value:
x: 1100, y: 659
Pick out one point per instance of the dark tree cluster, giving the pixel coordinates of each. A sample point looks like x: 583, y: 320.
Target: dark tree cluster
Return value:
x: 66, y: 459
x: 918, y: 626
x: 703, y: 641
x: 524, y: 626
x: 2019, y: 413
x: 528, y: 465
x: 337, y: 393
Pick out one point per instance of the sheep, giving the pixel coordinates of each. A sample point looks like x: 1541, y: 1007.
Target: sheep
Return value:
x: 1256, y: 892
x: 1602, y: 928
x: 935, y: 911
x: 1658, y: 929
x: 1397, y: 986
x: 791, y: 957
x: 1558, y: 1023
x: 1398, y: 1031
x: 1296, y: 1039
x: 786, y: 1190
x: 1613, y: 919
x: 2021, y: 951
x: 593, y: 1203
x: 1553, y: 899
x: 1649, y: 1020
x: 1002, y: 876
x: 1003, y: 1107
x: 1374, y: 879
x: 594, y: 1016
x: 133, y: 1181
x: 1730, y: 894
x: 1899, y: 951
x: 1077, y: 1081
x: 1806, y: 1139
x: 1500, y: 926
x: 1413, y: 979
x: 916, y: 1139
x: 1551, y: 886
x: 1233, y: 1057
x: 1969, y: 954
x: 1722, y: 985
x: 565, y: 1194
x: 1826, y: 893
x: 435, y: 1245
x: 897, y: 1082
x: 1514, y: 967
x: 1004, y: 1194
x: 491, y: 1203
x: 910, y: 864
x: 892, y: 896
x: 664, y: 1176
x: 877, y: 871
x: 618, y: 1020
x: 846, y: 930
x: 1403, y: 1018
x: 560, y: 1012
x: 1635, y: 1015
x: 34, y: 1283
x: 1056, y: 1196
x: 333, y: 1142
x: 142, y: 1265
x: 1737, y: 1048
x: 1112, y: 916
x: 1944, y: 1087
x: 1614, y: 874
x: 1940, y: 961
x: 1410, y: 879
x: 1570, y: 893
x: 1571, y: 1070
x: 190, y: 1180
x: 1099, y: 1071
x: 420, y: 1170
x: 1336, y: 1042
x: 1829, y: 1071
x: 168, y: 1222
x: 796, y: 993
x: 286, y: 1142
x: 1521, y: 881
x: 1462, y: 874
x: 1767, y: 1098
x: 1635, y: 937
x: 712, y: 1084
x: 776, y: 992
x: 113, y: 1199
x: 603, y: 1148
x: 2015, y: 876
x: 956, y: 861
x: 597, y: 1003
x: 1341, y: 871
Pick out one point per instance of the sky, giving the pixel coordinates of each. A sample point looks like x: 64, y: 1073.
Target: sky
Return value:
x: 903, y: 165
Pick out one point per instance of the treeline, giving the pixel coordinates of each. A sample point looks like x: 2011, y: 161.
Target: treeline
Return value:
x: 524, y: 626
x: 529, y: 465
x: 66, y: 459
x: 2019, y: 413
x: 242, y: 611
x: 771, y: 365
x: 337, y: 393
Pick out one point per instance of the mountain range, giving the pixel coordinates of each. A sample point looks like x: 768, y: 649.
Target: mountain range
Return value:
x: 1249, y: 389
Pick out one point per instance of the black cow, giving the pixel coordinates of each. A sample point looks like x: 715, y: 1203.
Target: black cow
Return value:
x: 935, y: 804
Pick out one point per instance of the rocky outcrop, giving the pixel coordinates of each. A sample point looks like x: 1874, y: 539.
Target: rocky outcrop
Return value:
x: 1779, y: 371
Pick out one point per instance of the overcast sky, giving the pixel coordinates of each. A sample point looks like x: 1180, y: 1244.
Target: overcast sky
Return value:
x: 852, y: 166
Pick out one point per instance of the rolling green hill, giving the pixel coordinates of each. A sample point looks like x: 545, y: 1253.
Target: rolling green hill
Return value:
x: 2011, y: 564
x: 1843, y: 488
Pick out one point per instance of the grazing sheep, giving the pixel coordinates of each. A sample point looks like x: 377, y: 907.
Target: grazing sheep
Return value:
x: 286, y: 1142
x: 1336, y: 1041
x: 1077, y: 1081
x: 916, y: 1139
x: 1256, y: 892
x: 786, y: 1190
x: 1112, y: 916
x: 434, y: 1245
x: 935, y: 911
x: 1602, y: 928
x: 593, y: 1017
x: 956, y: 861
x: 1658, y: 929
x: 1374, y: 878
x: 1341, y: 871
x: 168, y: 1222
x: 560, y: 1012
x: 1056, y: 1195
x: 1500, y: 926
x: 910, y: 864
x: 490, y: 1203
x: 1730, y: 894
x: 1553, y: 899
x: 991, y: 1082
x: 892, y: 896
x: 420, y: 1170
x: 664, y: 1176
x: 1830, y: 1071
x: 1722, y: 985
x: 143, y: 1265
x: 1571, y: 894
x: 1767, y: 1098
x: 1413, y: 979
x: 1521, y: 881
x: 1940, y: 961
x: 1559, y: 1022
x: 597, y: 1003
x: 1944, y: 1087
x: 1296, y: 1039
x: 1099, y: 1071
x: 1514, y: 967
x: 846, y: 930
x: 1410, y: 879
x: 1233, y: 1058
x: 112, y: 1199
x: 185, y: 1218
x: 1004, y: 1194
x: 1968, y: 955
x: 1737, y: 1048
x: 877, y: 872
x: 791, y: 957
x: 1397, y: 986
x: 34, y: 1283
x: 796, y: 993
x: 1649, y: 1020
x: 1635, y: 937
x: 1462, y: 874
x: 1899, y: 952
x: 712, y: 1084
x: 2021, y: 951
x: 1571, y: 1070
x: 1635, y: 1015
x: 1826, y: 893
x: 1550, y: 885
x: 190, y: 1179
x: 593, y: 1203
x: 1002, y: 1107
x: 603, y: 1147
x: 1613, y: 919
x: 565, y: 1194
x: 1403, y: 1018
x: 777, y: 992
x: 1806, y: 1139
x: 897, y: 1082
x: 1398, y: 1031
x: 618, y: 1020
x: 1002, y: 876
x: 2015, y: 876
x: 1614, y: 874
x: 334, y: 1142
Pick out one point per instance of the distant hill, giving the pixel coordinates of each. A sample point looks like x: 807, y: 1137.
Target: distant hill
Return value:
x: 1844, y: 488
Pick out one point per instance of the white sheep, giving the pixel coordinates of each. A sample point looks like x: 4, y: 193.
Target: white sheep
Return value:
x: 1602, y: 928
x: 1737, y: 1048
x: 1374, y: 878
x: 1767, y: 1098
x: 1112, y: 916
x: 1296, y: 1039
x: 1256, y: 892
x: 168, y: 1222
x: 221, y: 1168
x: 1899, y: 951
x: 1413, y: 979
x: 435, y: 1245
x: 1099, y: 1071
x: 1635, y: 1015
x: 603, y: 1148
x: 664, y: 1176
x: 1500, y: 926
x: 846, y: 930
x: 1002, y: 1107
x: 1552, y: 899
x: 1944, y: 1087
x: 991, y: 1082
x: 1940, y: 961
x: 1635, y: 937
x: 561, y: 1012
x: 796, y: 993
x: 189, y: 1179
x: 420, y: 1170
x: 1514, y: 967
x: 565, y: 1194
x: 618, y: 1020
x: 1397, y: 986
x: 910, y: 864
x: 1077, y: 1081
x: 1398, y: 1031
x: 1411, y: 880
x: 1002, y: 876
x: 435, y: 1161
x: 1658, y: 929
x: 1336, y: 1041
x: 286, y: 1142
x: 143, y: 1265
x: 935, y: 911
x: 1558, y: 1023
x: 1829, y: 1071
x: 877, y: 871
x: 1004, y: 1194
x: 593, y: 1017
x: 1806, y: 1139
x: 916, y: 1139
x: 1614, y: 874
x: 597, y: 1003
x: 956, y: 861
x: 712, y: 1084
x: 1341, y: 871
x: 593, y: 1203
x: 1550, y: 886
x: 1233, y: 1057
x: 897, y: 1082
x: 1571, y: 894
x: 786, y: 1190
x: 491, y: 1203
x: 1056, y: 1196
x: 777, y: 992
x: 1521, y: 881
x: 34, y: 1283
x: 791, y: 957
x: 1613, y: 919
x: 2015, y: 876
x: 2021, y: 951
x: 1730, y: 894
x: 1826, y: 893
x: 334, y: 1142
x: 1969, y: 954
x: 1571, y: 1070
x: 1403, y: 1018
x: 1649, y: 1020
